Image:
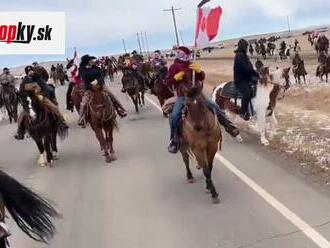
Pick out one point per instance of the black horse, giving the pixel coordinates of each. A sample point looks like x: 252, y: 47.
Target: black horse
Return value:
x: 44, y: 129
x: 10, y: 100
x: 32, y: 213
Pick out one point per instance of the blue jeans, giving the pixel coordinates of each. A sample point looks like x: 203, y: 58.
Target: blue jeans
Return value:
x: 175, y: 117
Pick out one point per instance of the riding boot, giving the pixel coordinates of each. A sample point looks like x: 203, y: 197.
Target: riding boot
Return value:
x: 173, y: 146
x: 82, y: 112
x: 20, y: 127
x: 229, y: 126
x: 54, y: 109
x: 119, y: 108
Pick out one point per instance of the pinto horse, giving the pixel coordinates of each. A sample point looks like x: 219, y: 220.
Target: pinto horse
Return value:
x: 10, y: 101
x: 200, y: 137
x: 264, y: 102
x: 101, y: 115
x: 32, y: 213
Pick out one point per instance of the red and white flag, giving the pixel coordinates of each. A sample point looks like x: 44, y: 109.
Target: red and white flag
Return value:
x: 208, y: 22
x: 75, y: 57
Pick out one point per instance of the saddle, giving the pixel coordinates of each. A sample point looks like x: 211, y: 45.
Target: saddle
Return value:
x: 230, y: 91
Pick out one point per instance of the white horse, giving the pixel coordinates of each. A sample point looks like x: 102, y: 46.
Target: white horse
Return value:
x: 267, y: 92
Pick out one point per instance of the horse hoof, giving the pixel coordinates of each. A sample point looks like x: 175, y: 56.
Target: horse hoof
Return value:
x: 55, y: 156
x: 190, y: 180
x: 265, y: 142
x: 239, y: 139
x: 216, y: 200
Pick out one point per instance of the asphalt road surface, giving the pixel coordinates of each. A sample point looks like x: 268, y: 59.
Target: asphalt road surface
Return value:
x: 143, y: 199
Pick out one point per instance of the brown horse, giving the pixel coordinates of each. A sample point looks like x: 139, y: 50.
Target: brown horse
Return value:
x: 77, y: 95
x: 101, y: 115
x: 323, y: 69
x: 162, y: 91
x: 321, y: 44
x: 10, y: 100
x: 200, y: 136
x: 32, y: 213
x: 299, y: 71
x: 134, y: 89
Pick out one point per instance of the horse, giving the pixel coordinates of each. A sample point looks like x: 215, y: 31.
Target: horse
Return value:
x: 10, y: 101
x: 101, y: 115
x: 299, y: 70
x: 110, y: 70
x: 77, y: 95
x: 271, y: 48
x: 321, y: 43
x: 134, y: 89
x: 44, y: 129
x: 264, y: 101
x: 162, y: 91
x: 53, y: 75
x: 32, y: 213
x: 251, y: 50
x: 200, y: 137
x: 60, y: 74
x: 323, y: 69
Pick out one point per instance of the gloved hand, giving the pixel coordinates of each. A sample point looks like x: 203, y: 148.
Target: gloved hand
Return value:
x: 195, y: 67
x: 179, y: 76
x: 40, y: 97
x: 94, y: 83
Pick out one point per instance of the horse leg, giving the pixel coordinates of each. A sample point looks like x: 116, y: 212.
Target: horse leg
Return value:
x: 142, y: 97
x: 135, y: 101
x: 47, y: 145
x: 103, y: 143
x: 110, y: 143
x: 261, y: 120
x: 185, y: 157
x: 304, y: 79
x: 54, y: 144
x: 207, y: 170
x: 41, y: 161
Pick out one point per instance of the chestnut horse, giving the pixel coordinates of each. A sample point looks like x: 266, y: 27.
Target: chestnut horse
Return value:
x: 101, y: 115
x: 264, y: 102
x: 32, y: 213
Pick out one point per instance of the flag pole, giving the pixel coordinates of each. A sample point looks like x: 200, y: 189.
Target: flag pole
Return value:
x: 201, y: 4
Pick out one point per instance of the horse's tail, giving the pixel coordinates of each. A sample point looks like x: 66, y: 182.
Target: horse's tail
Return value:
x: 31, y: 212
x: 62, y: 131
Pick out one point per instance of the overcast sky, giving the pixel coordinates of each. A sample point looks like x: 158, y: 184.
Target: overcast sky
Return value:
x: 98, y: 26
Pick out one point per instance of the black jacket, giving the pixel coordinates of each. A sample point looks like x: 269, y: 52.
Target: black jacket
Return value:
x: 45, y: 90
x: 243, y: 69
x: 89, y: 74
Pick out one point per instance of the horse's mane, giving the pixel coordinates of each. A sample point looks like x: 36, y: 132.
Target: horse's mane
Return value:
x: 194, y: 92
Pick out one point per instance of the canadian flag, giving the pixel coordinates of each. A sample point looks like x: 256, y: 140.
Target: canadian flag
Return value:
x: 75, y: 57
x: 207, y: 25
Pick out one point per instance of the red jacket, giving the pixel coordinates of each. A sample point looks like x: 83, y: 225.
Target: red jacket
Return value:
x: 186, y: 83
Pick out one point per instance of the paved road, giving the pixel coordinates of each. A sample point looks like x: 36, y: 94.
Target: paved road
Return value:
x: 143, y: 200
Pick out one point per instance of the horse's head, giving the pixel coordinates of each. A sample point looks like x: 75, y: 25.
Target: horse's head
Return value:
x: 265, y: 76
x: 195, y: 107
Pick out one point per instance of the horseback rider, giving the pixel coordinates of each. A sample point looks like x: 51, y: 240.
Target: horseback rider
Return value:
x: 132, y: 67
x: 322, y: 59
x: 296, y: 60
x: 7, y: 79
x: 259, y: 65
x: 179, y: 76
x: 74, y: 79
x: 90, y: 74
x: 41, y: 71
x: 34, y: 87
x: 244, y: 77
x: 159, y: 67
x: 296, y: 42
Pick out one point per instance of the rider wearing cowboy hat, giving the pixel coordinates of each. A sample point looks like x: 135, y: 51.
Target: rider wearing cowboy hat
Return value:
x: 179, y: 76
x: 244, y: 76
x: 90, y: 73
x: 34, y: 87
